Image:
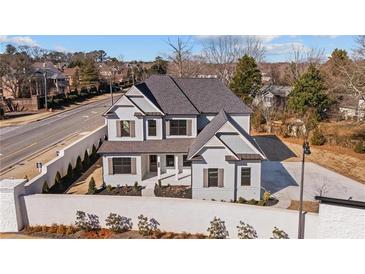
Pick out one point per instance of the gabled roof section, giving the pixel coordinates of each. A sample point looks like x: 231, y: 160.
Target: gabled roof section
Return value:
x: 208, y: 132
x: 213, y: 128
x: 168, y: 95
x: 210, y: 95
x: 142, y: 90
x: 110, y: 113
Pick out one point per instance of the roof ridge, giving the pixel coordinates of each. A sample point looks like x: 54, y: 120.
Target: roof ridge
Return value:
x: 173, y: 80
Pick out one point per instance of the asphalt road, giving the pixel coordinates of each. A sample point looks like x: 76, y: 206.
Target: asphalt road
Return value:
x: 19, y: 142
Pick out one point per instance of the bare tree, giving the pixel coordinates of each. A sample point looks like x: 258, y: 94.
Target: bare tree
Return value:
x: 223, y: 52
x: 359, y: 52
x: 301, y: 58
x: 180, y: 55
x: 253, y: 46
x: 268, y: 111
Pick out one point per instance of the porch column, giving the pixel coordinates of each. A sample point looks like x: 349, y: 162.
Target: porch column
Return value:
x: 158, y: 166
x: 176, y: 166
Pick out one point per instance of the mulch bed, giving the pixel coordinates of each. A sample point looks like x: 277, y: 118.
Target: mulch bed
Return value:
x: 70, y: 232
x: 122, y: 191
x: 308, y: 206
x: 173, y: 191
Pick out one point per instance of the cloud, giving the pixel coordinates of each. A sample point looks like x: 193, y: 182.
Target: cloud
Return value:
x: 19, y: 40
x: 60, y: 48
x: 267, y: 38
x: 284, y: 48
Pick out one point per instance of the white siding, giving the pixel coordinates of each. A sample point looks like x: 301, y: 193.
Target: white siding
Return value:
x: 125, y: 113
x: 121, y: 179
x: 253, y: 191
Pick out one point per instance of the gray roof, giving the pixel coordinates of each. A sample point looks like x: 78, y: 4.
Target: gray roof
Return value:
x: 210, y: 95
x: 282, y: 91
x: 180, y: 145
x: 210, y: 130
x: 169, y: 96
x: 191, y: 95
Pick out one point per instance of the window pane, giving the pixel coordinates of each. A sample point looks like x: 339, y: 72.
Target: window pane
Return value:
x: 212, y: 177
x: 246, y: 176
x: 170, y: 160
x: 125, y: 128
x: 178, y: 127
x: 185, y: 161
x: 151, y: 127
x: 122, y: 165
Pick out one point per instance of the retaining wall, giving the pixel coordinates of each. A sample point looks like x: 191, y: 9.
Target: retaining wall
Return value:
x: 66, y: 156
x: 176, y: 215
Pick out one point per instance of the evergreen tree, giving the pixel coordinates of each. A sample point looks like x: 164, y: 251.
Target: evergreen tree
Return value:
x: 159, y: 66
x: 78, y: 167
x: 86, y: 162
x: 45, y: 188
x: 309, y: 93
x: 92, y: 186
x: 70, y: 172
x: 89, y: 74
x: 246, y: 81
x: 75, y: 80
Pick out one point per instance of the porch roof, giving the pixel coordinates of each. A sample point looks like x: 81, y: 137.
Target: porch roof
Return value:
x: 180, y: 145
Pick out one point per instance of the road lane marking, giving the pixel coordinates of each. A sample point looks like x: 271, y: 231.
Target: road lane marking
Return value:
x: 18, y: 151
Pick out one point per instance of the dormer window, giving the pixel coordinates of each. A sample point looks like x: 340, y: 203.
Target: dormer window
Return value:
x: 125, y: 128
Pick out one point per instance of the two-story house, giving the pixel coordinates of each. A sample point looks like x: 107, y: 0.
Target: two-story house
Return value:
x: 183, y: 131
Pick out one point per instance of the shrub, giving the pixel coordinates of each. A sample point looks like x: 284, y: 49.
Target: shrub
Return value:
x: 92, y: 186
x: 93, y: 153
x: 86, y: 162
x: 136, y: 187
x: 45, y: 188
x: 58, y: 102
x: 217, y: 229
x: 78, y: 167
x: 70, y: 172
x: 58, y: 178
x: 241, y: 200
x: 73, y: 97
x: 109, y: 188
x: 318, y: 138
x: 279, y: 234
x: 266, y: 196
x: 147, y: 227
x: 252, y: 202
x: 245, y: 231
x: 359, y: 148
x: 117, y: 223
x: 88, y: 222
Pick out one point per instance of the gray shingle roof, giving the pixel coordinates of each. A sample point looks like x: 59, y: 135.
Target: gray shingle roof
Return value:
x: 191, y: 95
x: 208, y: 132
x: 210, y: 95
x: 168, y: 95
x: 180, y: 145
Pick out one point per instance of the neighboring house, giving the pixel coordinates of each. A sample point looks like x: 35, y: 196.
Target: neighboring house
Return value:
x: 354, y: 110
x: 183, y: 131
x: 273, y: 96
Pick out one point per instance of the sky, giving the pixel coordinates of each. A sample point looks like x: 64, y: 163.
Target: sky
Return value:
x: 147, y: 47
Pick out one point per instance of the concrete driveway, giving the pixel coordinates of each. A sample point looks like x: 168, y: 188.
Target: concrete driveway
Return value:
x: 282, y: 180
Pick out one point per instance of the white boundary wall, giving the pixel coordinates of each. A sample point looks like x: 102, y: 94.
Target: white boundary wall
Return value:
x: 176, y: 215
x: 66, y: 156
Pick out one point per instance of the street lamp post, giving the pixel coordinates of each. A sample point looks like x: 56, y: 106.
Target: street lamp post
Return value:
x: 306, y: 151
x: 45, y: 89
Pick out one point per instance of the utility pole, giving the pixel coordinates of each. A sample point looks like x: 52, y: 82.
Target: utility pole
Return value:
x: 306, y: 151
x: 45, y: 89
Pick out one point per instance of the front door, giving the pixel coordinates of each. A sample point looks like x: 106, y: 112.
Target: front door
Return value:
x: 153, y: 163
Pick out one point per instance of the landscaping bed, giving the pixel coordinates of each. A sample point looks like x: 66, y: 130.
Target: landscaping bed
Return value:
x: 266, y: 201
x: 126, y: 190
x: 70, y: 232
x: 173, y: 191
